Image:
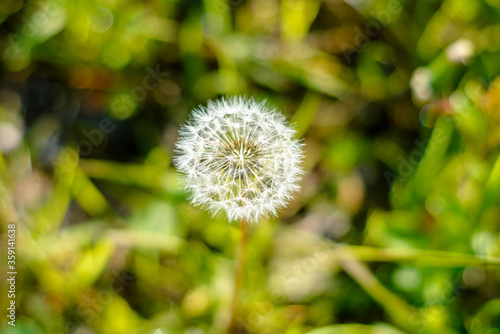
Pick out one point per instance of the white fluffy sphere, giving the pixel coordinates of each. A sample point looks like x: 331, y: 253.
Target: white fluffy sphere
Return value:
x: 239, y: 157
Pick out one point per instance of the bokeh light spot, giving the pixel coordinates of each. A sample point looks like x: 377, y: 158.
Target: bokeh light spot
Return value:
x: 101, y: 20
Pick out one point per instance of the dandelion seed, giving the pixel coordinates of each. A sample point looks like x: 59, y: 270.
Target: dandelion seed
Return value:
x: 239, y: 157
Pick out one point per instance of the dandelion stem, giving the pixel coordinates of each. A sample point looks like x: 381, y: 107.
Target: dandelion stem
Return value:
x: 239, y: 277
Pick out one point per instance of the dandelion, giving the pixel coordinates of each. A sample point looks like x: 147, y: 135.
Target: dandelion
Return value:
x: 239, y: 157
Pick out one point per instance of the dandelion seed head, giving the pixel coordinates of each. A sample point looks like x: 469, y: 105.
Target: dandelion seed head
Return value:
x: 239, y: 157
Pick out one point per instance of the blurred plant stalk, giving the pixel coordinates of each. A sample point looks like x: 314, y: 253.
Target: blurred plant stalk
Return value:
x: 239, y: 281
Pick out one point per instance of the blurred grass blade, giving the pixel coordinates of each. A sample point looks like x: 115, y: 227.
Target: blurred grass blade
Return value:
x: 296, y: 17
x: 397, y: 308
x: 356, y: 329
x: 416, y: 257
x: 148, y: 240
x: 127, y: 174
x: 91, y: 264
x: 304, y: 116
x: 434, y: 156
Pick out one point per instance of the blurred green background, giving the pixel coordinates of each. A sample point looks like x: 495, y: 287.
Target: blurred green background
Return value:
x: 395, y: 230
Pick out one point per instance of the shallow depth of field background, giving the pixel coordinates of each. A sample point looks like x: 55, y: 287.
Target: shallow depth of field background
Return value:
x: 395, y: 230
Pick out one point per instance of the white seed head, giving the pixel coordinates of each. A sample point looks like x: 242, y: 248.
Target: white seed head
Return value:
x: 239, y: 157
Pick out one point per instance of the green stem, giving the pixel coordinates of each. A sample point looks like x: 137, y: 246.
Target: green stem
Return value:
x: 239, y: 278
